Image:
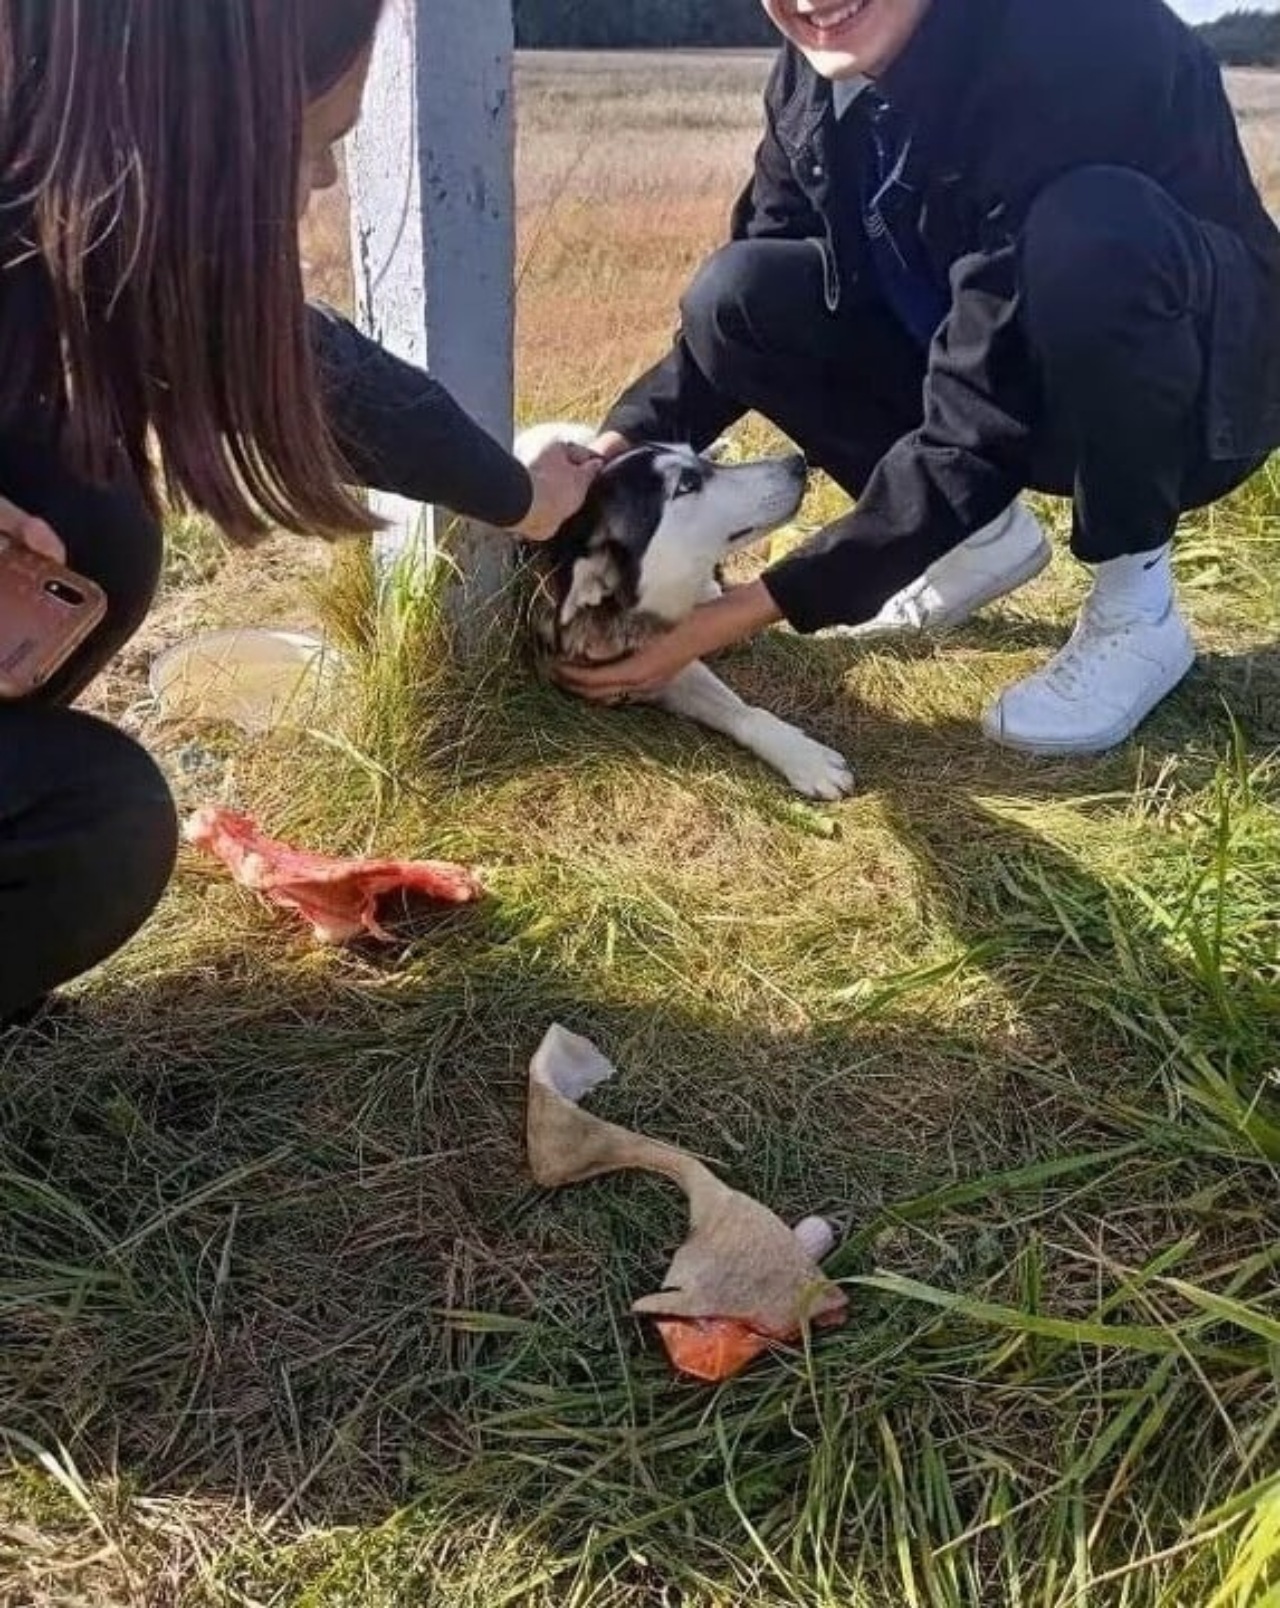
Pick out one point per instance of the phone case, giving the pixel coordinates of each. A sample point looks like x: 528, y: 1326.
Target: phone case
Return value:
x: 46, y: 612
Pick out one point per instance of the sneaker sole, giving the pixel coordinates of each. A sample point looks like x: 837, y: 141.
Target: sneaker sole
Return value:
x: 1098, y: 743
x: 999, y: 586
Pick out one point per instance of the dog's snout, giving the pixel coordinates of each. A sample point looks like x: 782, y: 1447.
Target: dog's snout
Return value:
x: 797, y: 466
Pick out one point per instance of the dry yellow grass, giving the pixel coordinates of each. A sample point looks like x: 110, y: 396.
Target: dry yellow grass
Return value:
x: 628, y: 165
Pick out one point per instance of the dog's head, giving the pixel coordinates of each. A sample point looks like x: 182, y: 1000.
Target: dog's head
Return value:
x: 658, y: 522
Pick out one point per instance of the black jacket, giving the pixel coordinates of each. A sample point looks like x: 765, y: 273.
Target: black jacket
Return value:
x: 1004, y: 96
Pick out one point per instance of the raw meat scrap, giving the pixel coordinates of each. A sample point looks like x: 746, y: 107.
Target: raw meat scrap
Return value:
x: 338, y: 897
x: 713, y: 1349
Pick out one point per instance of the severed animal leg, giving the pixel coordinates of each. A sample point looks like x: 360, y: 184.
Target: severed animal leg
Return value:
x: 741, y: 1281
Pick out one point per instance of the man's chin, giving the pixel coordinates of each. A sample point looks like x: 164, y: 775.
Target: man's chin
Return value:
x: 836, y: 65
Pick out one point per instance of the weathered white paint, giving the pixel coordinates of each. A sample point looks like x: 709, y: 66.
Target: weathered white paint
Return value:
x: 431, y: 168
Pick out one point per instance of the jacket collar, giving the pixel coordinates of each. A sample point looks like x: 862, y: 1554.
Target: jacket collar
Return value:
x: 806, y: 103
x: 931, y: 70
x: 926, y: 83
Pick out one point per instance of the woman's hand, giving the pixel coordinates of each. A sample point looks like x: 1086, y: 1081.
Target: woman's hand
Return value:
x: 562, y: 475
x: 711, y: 627
x: 610, y: 445
x: 30, y: 532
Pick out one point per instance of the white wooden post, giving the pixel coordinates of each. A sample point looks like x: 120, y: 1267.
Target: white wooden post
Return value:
x: 431, y: 171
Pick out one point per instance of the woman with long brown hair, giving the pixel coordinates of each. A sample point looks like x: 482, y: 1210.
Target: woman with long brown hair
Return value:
x: 156, y: 350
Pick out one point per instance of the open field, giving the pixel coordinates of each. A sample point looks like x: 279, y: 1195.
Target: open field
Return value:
x: 628, y: 165
x: 284, y: 1324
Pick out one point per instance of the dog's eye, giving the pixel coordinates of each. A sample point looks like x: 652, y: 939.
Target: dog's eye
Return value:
x: 689, y: 482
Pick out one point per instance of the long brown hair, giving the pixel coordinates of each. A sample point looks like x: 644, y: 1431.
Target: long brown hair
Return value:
x: 150, y: 283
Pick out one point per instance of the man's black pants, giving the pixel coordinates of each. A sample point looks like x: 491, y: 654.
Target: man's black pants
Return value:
x: 1115, y: 296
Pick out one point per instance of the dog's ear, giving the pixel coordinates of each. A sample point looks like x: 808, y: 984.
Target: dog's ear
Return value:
x: 596, y: 578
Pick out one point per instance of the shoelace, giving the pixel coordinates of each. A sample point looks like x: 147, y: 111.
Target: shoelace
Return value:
x: 1094, y: 644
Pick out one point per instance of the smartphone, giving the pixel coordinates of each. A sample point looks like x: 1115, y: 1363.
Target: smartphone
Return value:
x: 46, y: 612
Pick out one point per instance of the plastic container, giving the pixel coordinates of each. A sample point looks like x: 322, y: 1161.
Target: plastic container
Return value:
x: 255, y: 679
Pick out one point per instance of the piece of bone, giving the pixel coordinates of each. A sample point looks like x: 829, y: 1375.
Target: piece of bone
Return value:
x: 740, y: 1262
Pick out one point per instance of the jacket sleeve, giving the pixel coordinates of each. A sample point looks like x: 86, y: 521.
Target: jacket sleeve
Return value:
x: 400, y: 431
x: 938, y: 485
x: 673, y: 401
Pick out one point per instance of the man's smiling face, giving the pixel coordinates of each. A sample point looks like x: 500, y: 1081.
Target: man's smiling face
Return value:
x: 848, y: 38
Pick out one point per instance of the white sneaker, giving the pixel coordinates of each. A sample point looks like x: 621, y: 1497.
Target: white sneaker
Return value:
x: 994, y: 561
x: 1098, y: 689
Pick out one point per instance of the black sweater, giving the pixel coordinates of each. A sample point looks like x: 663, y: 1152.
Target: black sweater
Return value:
x: 401, y: 431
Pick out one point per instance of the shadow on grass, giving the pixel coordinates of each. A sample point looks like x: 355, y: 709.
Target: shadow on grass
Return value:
x: 267, y: 1235
x: 828, y: 687
x: 240, y: 1205
x: 1243, y: 685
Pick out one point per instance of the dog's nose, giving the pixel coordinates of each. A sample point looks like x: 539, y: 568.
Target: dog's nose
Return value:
x: 798, y: 466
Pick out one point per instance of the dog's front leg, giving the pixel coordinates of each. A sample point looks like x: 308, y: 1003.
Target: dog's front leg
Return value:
x: 813, y: 770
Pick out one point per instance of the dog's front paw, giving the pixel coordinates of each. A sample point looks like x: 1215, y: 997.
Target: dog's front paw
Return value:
x: 818, y: 772
x: 812, y: 768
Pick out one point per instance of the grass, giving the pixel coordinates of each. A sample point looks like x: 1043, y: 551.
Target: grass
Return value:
x: 284, y: 1322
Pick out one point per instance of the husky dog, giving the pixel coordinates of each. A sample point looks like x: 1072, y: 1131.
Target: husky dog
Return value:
x: 642, y: 553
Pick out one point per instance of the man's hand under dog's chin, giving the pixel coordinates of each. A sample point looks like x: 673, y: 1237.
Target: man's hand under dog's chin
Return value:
x: 711, y: 627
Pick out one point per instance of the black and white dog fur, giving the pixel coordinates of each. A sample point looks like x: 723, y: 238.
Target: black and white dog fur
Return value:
x: 642, y: 553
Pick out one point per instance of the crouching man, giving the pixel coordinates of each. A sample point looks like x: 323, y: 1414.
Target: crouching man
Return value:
x: 988, y: 246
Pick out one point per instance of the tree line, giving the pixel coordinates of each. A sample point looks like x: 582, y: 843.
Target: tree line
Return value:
x: 1241, y: 39
x: 1245, y: 38
x: 624, y: 24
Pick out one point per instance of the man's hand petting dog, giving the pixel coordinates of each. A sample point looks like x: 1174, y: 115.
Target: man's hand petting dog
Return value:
x: 562, y: 473
x: 710, y: 628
